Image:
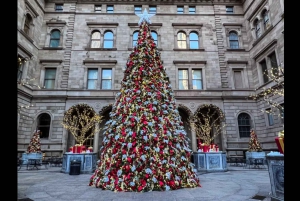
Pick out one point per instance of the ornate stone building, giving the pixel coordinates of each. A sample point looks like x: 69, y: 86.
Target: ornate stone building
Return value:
x: 214, y: 51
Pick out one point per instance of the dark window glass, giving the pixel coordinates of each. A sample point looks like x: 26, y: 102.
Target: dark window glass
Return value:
x: 233, y: 40
x: 264, y: 71
x: 266, y: 19
x: 44, y: 121
x: 28, y: 21
x: 54, y: 38
x: 229, y: 9
x: 59, y: 7
x: 244, y: 123
x: 97, y: 8
x: 274, y: 65
x: 50, y: 74
x: 257, y: 28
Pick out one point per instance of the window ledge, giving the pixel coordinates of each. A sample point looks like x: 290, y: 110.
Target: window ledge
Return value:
x: 197, y: 50
x: 25, y: 35
x: 263, y: 35
x: 100, y: 49
x: 52, y: 48
x: 235, y: 50
x: 130, y: 49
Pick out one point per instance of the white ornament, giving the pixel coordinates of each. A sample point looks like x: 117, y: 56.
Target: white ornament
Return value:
x: 145, y: 16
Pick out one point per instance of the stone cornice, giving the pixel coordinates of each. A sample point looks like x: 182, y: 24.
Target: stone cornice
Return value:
x: 25, y: 35
x: 256, y: 9
x: 188, y: 62
x: 273, y: 42
x: 187, y: 24
x: 137, y: 25
x: 24, y: 50
x: 236, y: 62
x: 102, y: 23
x: 58, y: 22
x: 50, y: 61
x: 31, y: 8
x: 100, y: 61
x: 233, y: 24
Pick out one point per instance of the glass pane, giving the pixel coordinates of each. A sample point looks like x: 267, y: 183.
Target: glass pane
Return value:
x: 183, y: 74
x: 54, y: 43
x: 179, y: 9
x: 181, y: 36
x: 135, y: 35
x: 106, y: 84
x: 183, y: 84
x: 152, y: 9
x: 182, y: 44
x: 234, y: 44
x: 44, y: 119
x: 233, y: 36
x: 193, y: 36
x: 271, y: 120
x: 96, y: 35
x: 138, y: 9
x: 92, y: 84
x: 197, y: 84
x: 49, y: 84
x: 106, y: 74
x: 50, y: 73
x: 110, y: 9
x: 154, y: 35
x: 95, y: 44
x: 194, y: 45
x: 55, y: 34
x: 93, y: 74
x: 192, y: 9
x: 196, y: 74
x: 108, y: 44
x: 108, y: 35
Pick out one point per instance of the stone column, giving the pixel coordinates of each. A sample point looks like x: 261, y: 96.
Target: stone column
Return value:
x: 194, y: 141
x: 96, y: 141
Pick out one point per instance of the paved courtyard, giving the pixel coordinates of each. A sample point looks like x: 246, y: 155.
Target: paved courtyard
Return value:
x: 237, y: 184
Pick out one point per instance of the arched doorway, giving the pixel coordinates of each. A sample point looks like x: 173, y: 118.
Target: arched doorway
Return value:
x: 185, y: 114
x: 208, y: 124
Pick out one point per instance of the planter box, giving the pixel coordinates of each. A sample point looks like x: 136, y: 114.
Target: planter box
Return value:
x: 88, y: 162
x: 255, y: 154
x: 26, y: 156
x: 210, y: 161
x: 276, y: 173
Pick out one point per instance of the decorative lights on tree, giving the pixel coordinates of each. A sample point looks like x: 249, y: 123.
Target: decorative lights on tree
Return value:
x: 26, y: 81
x: 81, y: 120
x: 271, y: 94
x: 145, y: 146
x: 254, y: 144
x: 207, y: 120
x: 34, y: 144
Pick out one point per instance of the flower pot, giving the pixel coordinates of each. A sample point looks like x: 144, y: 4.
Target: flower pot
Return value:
x: 205, y: 148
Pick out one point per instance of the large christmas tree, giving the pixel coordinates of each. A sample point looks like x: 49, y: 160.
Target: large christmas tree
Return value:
x: 145, y: 147
x: 34, y: 144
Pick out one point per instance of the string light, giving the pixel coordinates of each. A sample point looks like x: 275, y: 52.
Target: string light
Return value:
x: 27, y: 81
x: 271, y: 94
x: 79, y: 120
x: 207, y: 118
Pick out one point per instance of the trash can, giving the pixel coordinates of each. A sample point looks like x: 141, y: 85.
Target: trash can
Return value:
x: 75, y: 167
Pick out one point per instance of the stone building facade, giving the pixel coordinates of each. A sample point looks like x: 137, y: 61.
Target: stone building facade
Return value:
x: 227, y: 42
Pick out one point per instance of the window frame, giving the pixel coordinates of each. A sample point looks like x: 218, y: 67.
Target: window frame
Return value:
x: 257, y: 28
x: 53, y: 30
x: 190, y: 40
x: 99, y: 66
x: 150, y: 10
x: 264, y: 70
x: 97, y: 79
x: 44, y: 126
x: 178, y: 11
x: 231, y: 12
x: 192, y: 7
x: 97, y: 10
x: 244, y: 135
x: 190, y: 68
x: 231, y: 40
x: 108, y: 10
x: 177, y: 40
x: 156, y: 37
x: 54, y: 80
x: 138, y: 9
x: 56, y: 7
x: 133, y: 39
x: 266, y: 23
x: 101, y: 81
x: 91, y: 39
x: 107, y: 40
x: 270, y: 117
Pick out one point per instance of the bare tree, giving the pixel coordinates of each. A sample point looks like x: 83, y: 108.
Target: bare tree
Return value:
x: 81, y: 120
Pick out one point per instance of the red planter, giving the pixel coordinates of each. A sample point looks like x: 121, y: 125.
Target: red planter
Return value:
x: 205, y: 148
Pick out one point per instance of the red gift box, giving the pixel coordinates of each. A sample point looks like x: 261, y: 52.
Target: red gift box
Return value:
x: 205, y: 148
x: 78, y: 149
x: 71, y: 149
x: 280, y: 144
x: 83, y: 148
x: 90, y: 149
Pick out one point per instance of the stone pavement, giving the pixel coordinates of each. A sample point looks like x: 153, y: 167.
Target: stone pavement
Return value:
x: 237, y: 184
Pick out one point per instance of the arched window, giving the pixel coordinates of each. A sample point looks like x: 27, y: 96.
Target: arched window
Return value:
x: 194, y: 40
x: 44, y: 121
x: 54, y: 38
x: 257, y: 28
x: 181, y: 40
x: 108, y: 39
x: 28, y: 21
x: 154, y: 36
x: 233, y: 40
x: 244, y: 123
x: 135, y: 38
x: 266, y: 19
x: 95, y: 40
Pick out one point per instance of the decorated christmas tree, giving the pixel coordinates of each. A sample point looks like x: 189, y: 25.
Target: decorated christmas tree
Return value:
x: 254, y: 144
x: 34, y: 144
x: 145, y: 146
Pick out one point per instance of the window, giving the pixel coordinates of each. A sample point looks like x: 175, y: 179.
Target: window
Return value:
x: 108, y: 39
x: 152, y: 9
x: 20, y: 64
x: 270, y: 117
x: 98, y: 8
x: 194, y: 40
x: 28, y: 21
x: 181, y: 40
x: 266, y: 19
x: 106, y: 80
x: 282, y: 112
x: 110, y: 9
x: 58, y: 7
x: 49, y: 81
x: 264, y: 70
x: 183, y: 79
x: 95, y: 41
x: 273, y: 62
x: 257, y: 28
x: 137, y: 9
x: 229, y: 9
x: 54, y: 38
x: 154, y: 36
x: 44, y: 121
x: 233, y: 40
x: 92, y: 78
x: 192, y: 10
x: 179, y: 9
x: 238, y: 80
x: 244, y: 123
x: 135, y: 38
